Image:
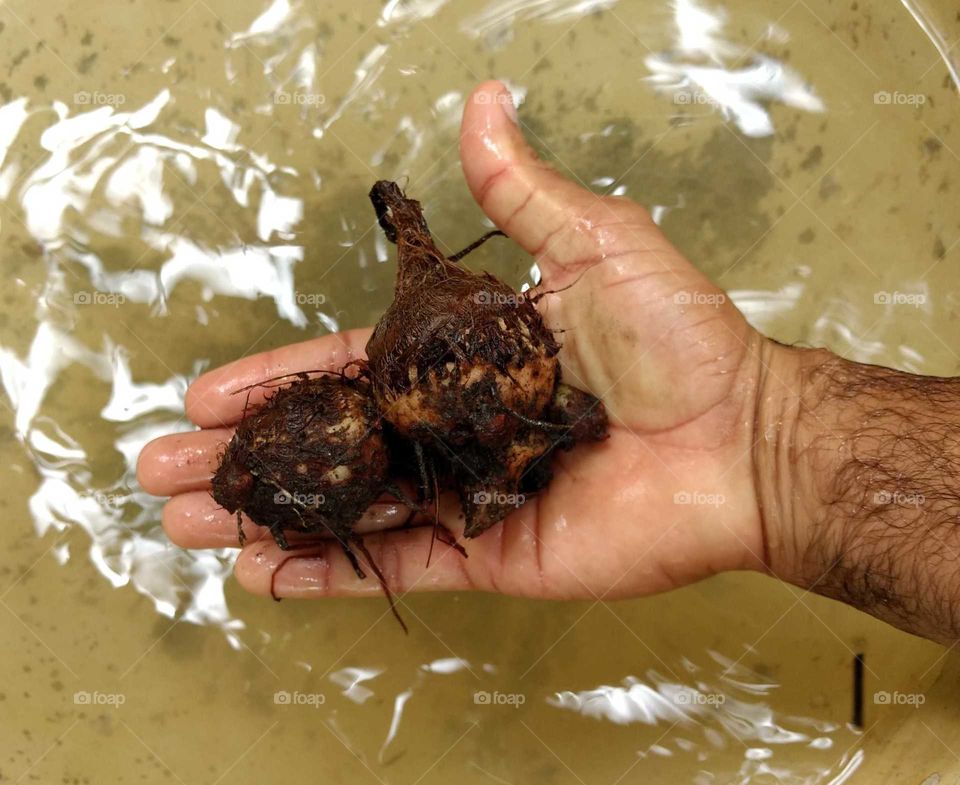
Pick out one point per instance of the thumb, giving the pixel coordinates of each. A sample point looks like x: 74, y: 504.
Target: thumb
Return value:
x: 563, y: 225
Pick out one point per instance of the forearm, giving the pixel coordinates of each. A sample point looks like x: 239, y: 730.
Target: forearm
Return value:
x: 858, y: 478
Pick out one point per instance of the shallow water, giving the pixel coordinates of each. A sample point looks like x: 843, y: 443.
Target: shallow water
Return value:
x: 183, y: 183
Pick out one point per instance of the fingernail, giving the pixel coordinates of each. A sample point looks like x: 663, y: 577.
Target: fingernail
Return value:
x: 509, y: 108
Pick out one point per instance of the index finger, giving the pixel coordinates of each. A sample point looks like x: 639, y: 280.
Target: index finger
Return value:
x: 212, y: 401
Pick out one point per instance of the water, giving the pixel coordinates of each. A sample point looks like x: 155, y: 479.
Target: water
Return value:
x: 185, y: 183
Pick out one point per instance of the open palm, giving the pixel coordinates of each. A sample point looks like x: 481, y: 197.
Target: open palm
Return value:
x: 666, y: 500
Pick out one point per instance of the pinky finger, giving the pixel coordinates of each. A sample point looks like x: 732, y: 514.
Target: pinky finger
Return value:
x: 195, y: 520
x: 323, y: 570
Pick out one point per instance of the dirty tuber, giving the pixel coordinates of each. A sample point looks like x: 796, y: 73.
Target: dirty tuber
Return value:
x: 460, y: 390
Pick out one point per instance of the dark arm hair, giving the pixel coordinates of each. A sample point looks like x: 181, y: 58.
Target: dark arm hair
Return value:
x: 860, y: 468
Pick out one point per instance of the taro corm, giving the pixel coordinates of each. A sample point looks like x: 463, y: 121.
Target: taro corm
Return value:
x: 461, y: 390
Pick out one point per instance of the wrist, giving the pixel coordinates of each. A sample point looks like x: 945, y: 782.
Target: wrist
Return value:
x: 857, y: 472
x: 793, y: 454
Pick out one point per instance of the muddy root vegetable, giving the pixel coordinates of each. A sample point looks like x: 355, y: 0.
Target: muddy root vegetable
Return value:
x: 465, y: 367
x: 457, y: 357
x: 492, y: 482
x: 580, y: 415
x: 461, y: 391
x: 488, y: 480
x: 311, y: 459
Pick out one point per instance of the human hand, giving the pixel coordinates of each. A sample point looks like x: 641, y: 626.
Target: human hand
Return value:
x: 668, y: 499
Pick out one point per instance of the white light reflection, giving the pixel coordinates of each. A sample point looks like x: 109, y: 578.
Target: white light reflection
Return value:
x: 496, y: 23
x: 351, y: 679
x: 102, y: 172
x: 365, y: 78
x: 447, y: 665
x: 718, y: 713
x: 398, y: 705
x: 127, y: 545
x: 763, y: 307
x: 269, y: 22
x: 632, y: 702
x: 104, y: 144
x: 694, y: 73
x: 130, y: 400
x: 409, y: 11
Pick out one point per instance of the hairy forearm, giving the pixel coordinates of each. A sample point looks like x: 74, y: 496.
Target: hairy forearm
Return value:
x: 858, y: 477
